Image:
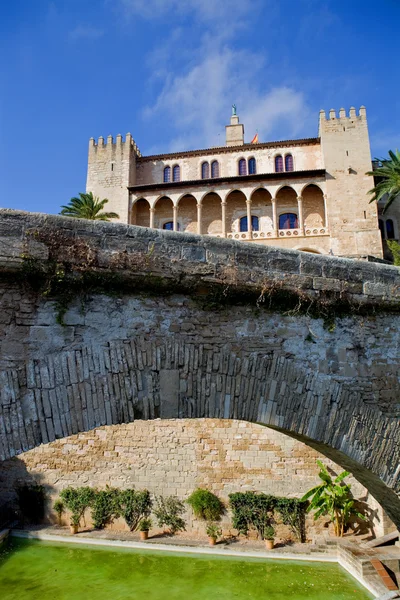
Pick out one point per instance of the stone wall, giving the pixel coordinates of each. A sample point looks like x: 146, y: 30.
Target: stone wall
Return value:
x: 172, y: 457
x: 195, y: 327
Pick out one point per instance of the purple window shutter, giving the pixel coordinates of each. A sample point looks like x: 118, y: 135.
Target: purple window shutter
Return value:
x: 278, y: 164
x: 215, y: 169
x: 288, y: 162
x: 167, y: 174
x: 177, y: 173
x: 205, y: 170
x: 242, y: 167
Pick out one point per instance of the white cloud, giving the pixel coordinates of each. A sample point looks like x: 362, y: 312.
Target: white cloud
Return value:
x: 205, y: 10
x: 86, y: 32
x: 197, y: 104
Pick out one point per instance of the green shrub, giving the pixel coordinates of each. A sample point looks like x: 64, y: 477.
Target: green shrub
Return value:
x: 77, y: 500
x: 206, y: 505
x: 145, y: 524
x: 292, y: 512
x: 31, y: 501
x: 134, y: 506
x: 58, y: 507
x: 394, y: 248
x: 168, y: 512
x: 252, y: 510
x: 105, y: 507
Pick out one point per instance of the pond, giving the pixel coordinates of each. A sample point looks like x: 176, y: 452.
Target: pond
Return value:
x: 33, y: 570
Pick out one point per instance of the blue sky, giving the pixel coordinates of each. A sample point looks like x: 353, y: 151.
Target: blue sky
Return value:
x: 168, y: 71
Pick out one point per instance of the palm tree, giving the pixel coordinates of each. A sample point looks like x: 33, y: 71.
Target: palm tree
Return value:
x: 88, y: 206
x: 388, y: 174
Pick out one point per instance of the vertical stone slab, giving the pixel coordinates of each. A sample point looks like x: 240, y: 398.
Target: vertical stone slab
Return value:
x: 169, y: 393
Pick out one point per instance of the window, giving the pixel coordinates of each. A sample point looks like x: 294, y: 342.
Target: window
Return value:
x: 205, y: 170
x: 278, y: 164
x: 214, y: 168
x: 242, y: 167
x: 169, y: 226
x: 167, y: 174
x: 254, y: 224
x: 288, y: 221
x: 288, y: 162
x: 252, y: 166
x: 176, y: 174
x: 389, y: 229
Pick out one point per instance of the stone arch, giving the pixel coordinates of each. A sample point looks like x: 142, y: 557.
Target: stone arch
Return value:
x: 163, y: 211
x: 261, y: 206
x: 211, y: 214
x: 235, y: 209
x: 140, y: 213
x: 286, y: 202
x: 187, y: 213
x: 123, y: 380
x: 313, y: 207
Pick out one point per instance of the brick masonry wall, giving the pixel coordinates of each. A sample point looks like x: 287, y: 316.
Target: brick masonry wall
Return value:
x: 174, y: 457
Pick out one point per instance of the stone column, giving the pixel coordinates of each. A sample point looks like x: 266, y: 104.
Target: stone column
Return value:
x: 223, y: 212
x: 248, y: 205
x: 199, y: 218
x: 326, y: 212
x: 152, y: 212
x: 175, y: 217
x: 274, y: 217
x: 300, y: 218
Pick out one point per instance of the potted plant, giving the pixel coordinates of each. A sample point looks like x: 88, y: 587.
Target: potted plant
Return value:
x: 59, y: 509
x: 144, y: 526
x: 213, y: 531
x: 77, y: 500
x: 269, y: 535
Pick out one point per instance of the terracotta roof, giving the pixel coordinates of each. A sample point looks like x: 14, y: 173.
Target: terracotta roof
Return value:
x: 227, y: 149
x: 218, y: 180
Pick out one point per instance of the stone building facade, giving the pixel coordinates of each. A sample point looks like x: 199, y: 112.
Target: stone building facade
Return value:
x: 306, y: 194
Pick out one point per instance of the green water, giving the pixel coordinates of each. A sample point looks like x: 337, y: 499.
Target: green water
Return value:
x: 47, y: 571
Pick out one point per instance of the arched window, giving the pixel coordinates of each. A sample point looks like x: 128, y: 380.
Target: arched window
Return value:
x: 169, y: 226
x: 288, y: 162
x: 288, y: 221
x: 278, y: 164
x: 167, y: 174
x: 214, y: 168
x: 176, y: 173
x: 382, y: 228
x: 389, y: 229
x: 254, y: 223
x: 242, y: 167
x: 252, y: 166
x: 205, y: 170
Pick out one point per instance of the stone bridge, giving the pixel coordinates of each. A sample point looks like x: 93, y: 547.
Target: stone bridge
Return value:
x: 105, y: 323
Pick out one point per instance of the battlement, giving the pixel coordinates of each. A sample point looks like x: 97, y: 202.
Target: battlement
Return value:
x: 362, y: 114
x: 109, y: 143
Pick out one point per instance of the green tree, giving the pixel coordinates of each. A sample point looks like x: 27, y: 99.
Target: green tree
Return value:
x: 388, y: 174
x: 332, y: 497
x: 88, y: 206
x: 394, y: 248
x: 134, y: 506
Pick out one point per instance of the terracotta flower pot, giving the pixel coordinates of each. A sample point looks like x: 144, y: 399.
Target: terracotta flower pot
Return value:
x: 144, y: 535
x: 73, y: 529
x: 269, y: 544
x: 212, y: 541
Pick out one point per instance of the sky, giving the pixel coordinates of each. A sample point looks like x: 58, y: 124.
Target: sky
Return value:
x: 168, y: 71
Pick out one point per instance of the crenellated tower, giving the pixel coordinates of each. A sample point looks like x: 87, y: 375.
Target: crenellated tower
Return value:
x: 353, y: 222
x: 111, y: 169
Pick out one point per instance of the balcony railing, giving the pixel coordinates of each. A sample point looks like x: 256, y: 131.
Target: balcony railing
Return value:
x: 282, y: 233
